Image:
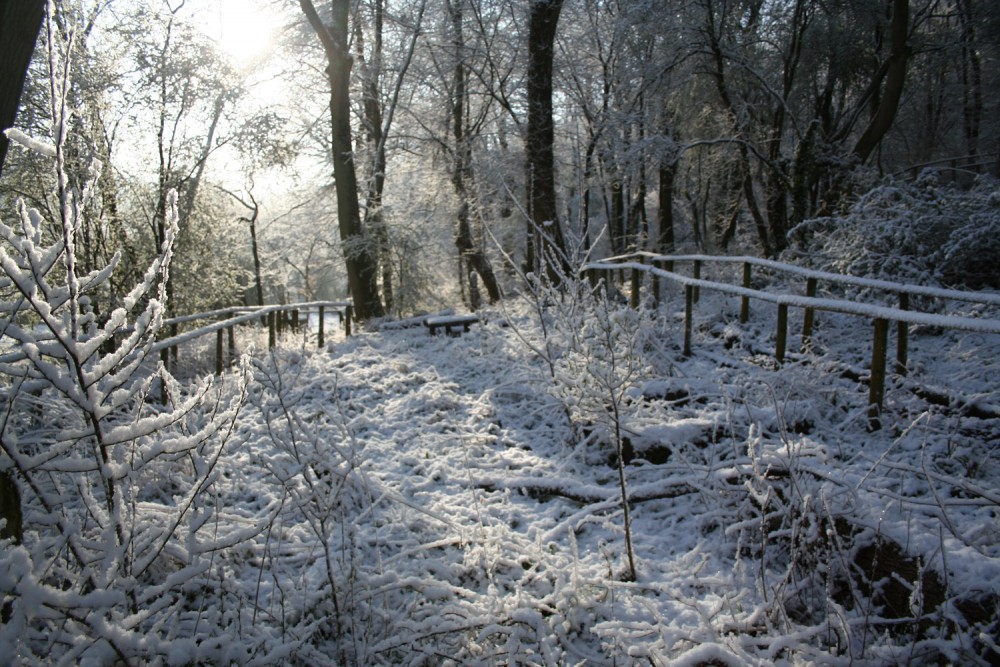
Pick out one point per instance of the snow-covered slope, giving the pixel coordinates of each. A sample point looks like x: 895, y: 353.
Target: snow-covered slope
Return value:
x: 456, y: 500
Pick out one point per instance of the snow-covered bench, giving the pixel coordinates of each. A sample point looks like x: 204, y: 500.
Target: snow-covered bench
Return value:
x: 450, y: 323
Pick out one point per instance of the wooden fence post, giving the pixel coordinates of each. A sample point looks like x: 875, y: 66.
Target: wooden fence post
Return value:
x: 232, y: 342
x: 348, y: 316
x: 688, y: 308
x: 218, y: 352
x: 876, y: 385
x: 782, y: 336
x: 296, y: 325
x: 902, y: 335
x: 745, y: 300
x: 810, y: 316
x: 271, y: 334
x: 697, y: 276
x: 319, y: 331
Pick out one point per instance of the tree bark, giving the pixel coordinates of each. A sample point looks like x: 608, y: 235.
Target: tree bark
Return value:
x: 362, y: 267
x: 895, y: 78
x: 471, y: 256
x: 665, y: 215
x: 371, y: 103
x: 546, y: 248
x: 20, y: 21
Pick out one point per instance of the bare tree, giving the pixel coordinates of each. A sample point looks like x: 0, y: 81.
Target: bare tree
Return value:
x: 359, y: 255
x: 472, y: 258
x: 546, y: 247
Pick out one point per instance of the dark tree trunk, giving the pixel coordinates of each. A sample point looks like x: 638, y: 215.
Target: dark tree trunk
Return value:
x: 616, y: 216
x: 471, y: 256
x: 665, y: 216
x: 972, y: 81
x: 719, y: 76
x: 20, y: 21
x: 544, y: 232
x: 371, y: 102
x: 895, y: 78
x: 362, y: 267
x: 258, y: 281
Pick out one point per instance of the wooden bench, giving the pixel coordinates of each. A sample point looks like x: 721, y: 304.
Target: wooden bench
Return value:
x: 450, y: 323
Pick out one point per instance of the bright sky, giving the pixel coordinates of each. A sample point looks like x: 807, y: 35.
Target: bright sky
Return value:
x: 243, y: 28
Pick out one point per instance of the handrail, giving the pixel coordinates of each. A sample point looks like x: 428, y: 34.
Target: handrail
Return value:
x: 257, y: 309
x: 881, y: 315
x: 344, y: 309
x: 273, y: 314
x: 831, y: 305
x: 843, y: 279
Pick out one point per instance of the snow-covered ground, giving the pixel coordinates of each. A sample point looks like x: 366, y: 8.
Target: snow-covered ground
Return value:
x: 444, y: 500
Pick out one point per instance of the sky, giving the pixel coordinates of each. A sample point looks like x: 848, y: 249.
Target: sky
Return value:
x: 243, y: 28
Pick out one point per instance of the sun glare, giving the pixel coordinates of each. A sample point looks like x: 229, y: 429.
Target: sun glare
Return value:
x: 246, y: 31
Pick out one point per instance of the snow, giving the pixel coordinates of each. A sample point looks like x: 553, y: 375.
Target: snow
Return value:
x: 476, y: 524
x: 398, y: 498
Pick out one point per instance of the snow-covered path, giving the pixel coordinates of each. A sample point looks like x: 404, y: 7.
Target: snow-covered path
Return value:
x: 477, y: 523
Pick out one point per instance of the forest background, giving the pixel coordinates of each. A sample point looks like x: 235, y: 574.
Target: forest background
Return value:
x: 489, y: 137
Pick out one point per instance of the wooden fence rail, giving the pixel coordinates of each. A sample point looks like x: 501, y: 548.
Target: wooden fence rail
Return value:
x: 661, y: 267
x: 277, y: 318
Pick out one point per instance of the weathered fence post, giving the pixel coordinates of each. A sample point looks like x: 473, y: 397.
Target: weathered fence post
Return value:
x: 745, y: 300
x: 688, y: 308
x: 810, y: 316
x: 322, y: 321
x: 271, y: 334
x: 232, y: 342
x: 782, y: 335
x: 296, y: 325
x: 348, y: 316
x: 876, y: 385
x: 697, y: 276
x: 218, y: 352
x: 902, y: 335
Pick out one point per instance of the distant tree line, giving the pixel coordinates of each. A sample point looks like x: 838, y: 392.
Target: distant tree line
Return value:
x: 469, y: 143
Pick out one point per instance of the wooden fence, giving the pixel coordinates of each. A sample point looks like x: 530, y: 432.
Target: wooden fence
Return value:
x: 661, y: 267
x: 223, y: 322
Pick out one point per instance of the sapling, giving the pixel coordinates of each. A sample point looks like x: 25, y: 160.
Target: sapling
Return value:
x: 116, y: 491
x: 601, y: 363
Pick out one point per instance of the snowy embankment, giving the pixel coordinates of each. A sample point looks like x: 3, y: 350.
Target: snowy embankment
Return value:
x: 457, y: 500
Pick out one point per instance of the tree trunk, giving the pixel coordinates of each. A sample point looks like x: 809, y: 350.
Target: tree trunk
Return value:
x: 258, y: 281
x: 544, y: 231
x: 362, y: 267
x: 471, y: 255
x: 972, y: 81
x: 895, y: 78
x: 20, y: 21
x: 371, y: 103
x: 719, y: 75
x: 665, y: 216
